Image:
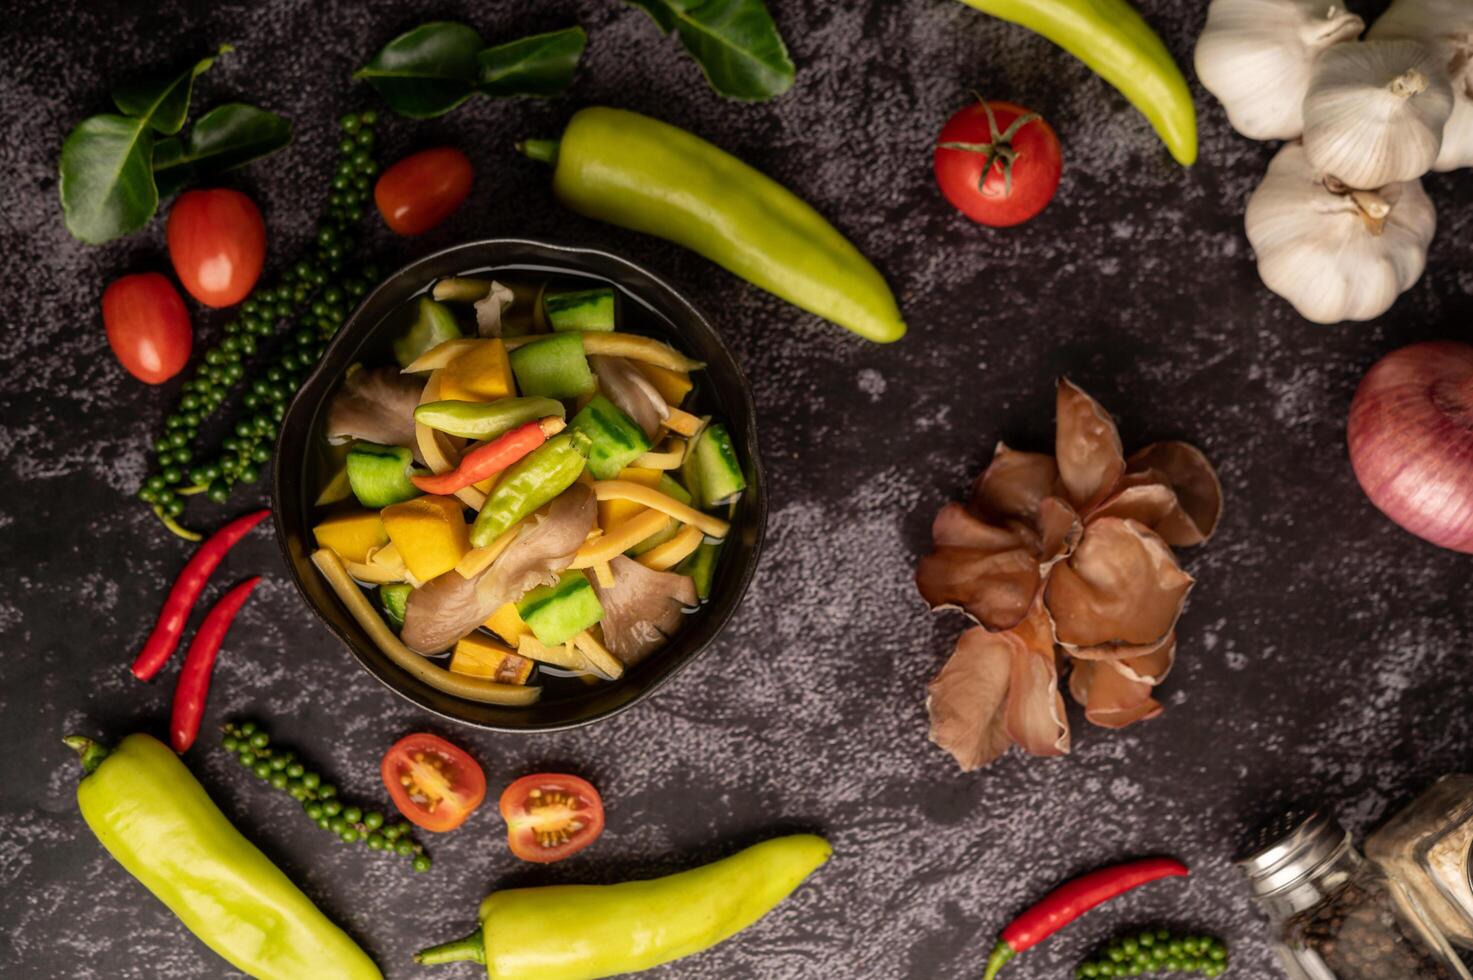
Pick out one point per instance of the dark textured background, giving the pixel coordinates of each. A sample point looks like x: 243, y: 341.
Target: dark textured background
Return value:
x: 1324, y: 653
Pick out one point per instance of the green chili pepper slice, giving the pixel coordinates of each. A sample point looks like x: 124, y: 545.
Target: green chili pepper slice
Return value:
x: 486, y: 420
x: 530, y: 482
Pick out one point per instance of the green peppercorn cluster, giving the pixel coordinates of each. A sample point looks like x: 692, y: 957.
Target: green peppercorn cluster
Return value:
x: 1155, y: 951
x: 315, y: 296
x: 320, y: 800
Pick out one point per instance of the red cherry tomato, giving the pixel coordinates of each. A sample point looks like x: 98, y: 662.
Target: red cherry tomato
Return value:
x: 147, y: 326
x: 550, y: 816
x: 433, y: 783
x: 217, y: 242
x: 420, y: 191
x: 998, y: 171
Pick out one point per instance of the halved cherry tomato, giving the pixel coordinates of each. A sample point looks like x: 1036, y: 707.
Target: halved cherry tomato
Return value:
x: 551, y: 815
x: 217, y: 241
x: 422, y: 190
x: 147, y: 326
x: 433, y: 783
x: 998, y: 163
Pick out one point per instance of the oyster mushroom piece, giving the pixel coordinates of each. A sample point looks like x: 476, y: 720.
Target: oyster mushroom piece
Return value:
x: 375, y: 405
x: 450, y: 606
x: 1087, y: 444
x: 631, y: 391
x: 1119, y: 594
x: 996, y: 690
x: 490, y: 309
x: 642, y: 608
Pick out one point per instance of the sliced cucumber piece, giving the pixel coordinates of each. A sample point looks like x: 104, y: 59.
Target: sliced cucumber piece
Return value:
x: 718, y: 472
x: 554, y: 366
x: 583, y: 309
x: 394, y: 599
x: 615, y: 440
x: 670, y: 487
x: 379, y: 475
x: 557, y: 613
x: 433, y: 325
x: 701, y: 567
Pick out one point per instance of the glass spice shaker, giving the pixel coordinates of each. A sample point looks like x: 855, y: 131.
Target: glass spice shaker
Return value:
x: 1426, y: 847
x: 1336, y: 916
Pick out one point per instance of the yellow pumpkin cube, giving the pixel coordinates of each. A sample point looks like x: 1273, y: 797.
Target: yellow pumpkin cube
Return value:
x: 481, y: 374
x: 673, y: 386
x: 507, y: 623
x: 612, y: 513
x: 481, y: 656
x: 430, y: 533
x: 352, y: 535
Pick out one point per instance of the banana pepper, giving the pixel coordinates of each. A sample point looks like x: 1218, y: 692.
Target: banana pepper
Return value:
x: 640, y: 173
x: 157, y: 821
x: 1110, y: 37
x: 582, y: 932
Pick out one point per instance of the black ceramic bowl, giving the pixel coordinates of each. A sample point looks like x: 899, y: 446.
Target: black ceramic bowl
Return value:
x: 366, y: 337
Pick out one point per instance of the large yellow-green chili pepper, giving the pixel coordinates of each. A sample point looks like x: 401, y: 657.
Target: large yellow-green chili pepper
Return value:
x: 1112, y: 39
x: 582, y: 932
x: 643, y: 174
x: 158, y: 822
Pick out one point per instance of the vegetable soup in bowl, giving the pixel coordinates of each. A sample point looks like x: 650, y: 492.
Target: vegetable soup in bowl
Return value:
x: 522, y: 484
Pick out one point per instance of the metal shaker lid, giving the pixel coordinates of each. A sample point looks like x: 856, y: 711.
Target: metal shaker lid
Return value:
x: 1287, y: 850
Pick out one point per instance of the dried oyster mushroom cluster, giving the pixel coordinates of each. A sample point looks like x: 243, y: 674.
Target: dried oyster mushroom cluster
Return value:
x: 1063, y: 558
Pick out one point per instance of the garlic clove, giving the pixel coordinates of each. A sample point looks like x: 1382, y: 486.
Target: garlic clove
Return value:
x: 1256, y: 57
x: 1446, y: 27
x: 1317, y: 248
x: 1375, y: 112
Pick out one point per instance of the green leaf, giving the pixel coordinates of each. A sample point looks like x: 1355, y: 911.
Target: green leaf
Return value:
x: 735, y: 42
x: 427, y: 71
x: 224, y: 138
x: 163, y: 100
x: 107, y: 187
x: 540, y: 65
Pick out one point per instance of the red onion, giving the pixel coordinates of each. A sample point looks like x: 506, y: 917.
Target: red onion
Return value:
x: 1411, y: 440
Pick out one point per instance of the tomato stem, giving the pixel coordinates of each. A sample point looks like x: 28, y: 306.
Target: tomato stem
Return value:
x: 998, y: 150
x: 472, y: 947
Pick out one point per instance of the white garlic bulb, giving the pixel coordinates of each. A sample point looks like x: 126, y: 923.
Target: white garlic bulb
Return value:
x: 1256, y: 56
x: 1336, y: 253
x: 1375, y: 112
x: 1445, y: 26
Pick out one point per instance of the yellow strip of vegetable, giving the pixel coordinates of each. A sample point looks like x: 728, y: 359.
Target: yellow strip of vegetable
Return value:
x: 683, y: 422
x: 619, y: 539
x: 713, y: 527
x: 672, y: 552
x: 459, y: 685
x: 668, y: 458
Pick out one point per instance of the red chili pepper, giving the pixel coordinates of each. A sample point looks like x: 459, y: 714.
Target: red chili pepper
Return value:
x: 199, y: 664
x: 1069, y: 901
x: 489, y: 459
x: 185, y: 593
